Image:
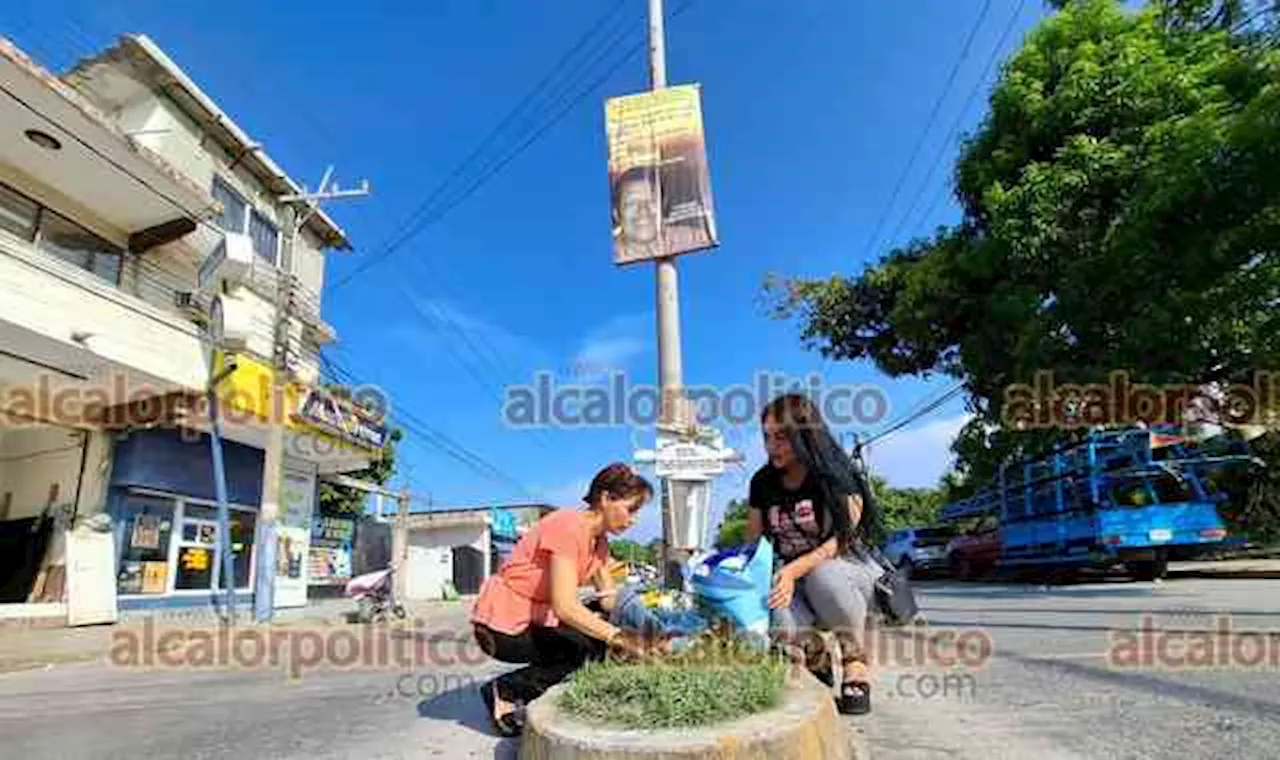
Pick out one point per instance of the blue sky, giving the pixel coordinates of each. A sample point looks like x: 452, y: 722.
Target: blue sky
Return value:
x: 812, y: 109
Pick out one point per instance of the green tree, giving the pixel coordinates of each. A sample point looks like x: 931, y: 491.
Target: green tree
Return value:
x: 905, y: 507
x: 626, y: 550
x: 1120, y: 211
x: 733, y: 526
x: 336, y: 499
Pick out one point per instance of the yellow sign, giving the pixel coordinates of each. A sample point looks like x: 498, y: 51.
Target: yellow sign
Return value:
x: 249, y: 393
x: 195, y: 559
x: 660, y: 188
x: 250, y: 389
x: 155, y: 576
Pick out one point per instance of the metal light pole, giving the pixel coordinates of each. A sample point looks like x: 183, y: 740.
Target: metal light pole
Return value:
x: 220, y: 472
x: 670, y: 369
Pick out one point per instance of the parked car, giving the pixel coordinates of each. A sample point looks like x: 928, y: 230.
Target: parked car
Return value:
x: 975, y: 551
x: 919, y: 551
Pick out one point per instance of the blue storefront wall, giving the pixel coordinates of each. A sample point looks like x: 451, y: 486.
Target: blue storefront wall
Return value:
x: 181, y: 463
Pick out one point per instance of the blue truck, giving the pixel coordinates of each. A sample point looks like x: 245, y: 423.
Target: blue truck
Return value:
x: 1132, y: 498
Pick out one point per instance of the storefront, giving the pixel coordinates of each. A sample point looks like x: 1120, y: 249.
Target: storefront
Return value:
x: 163, y: 500
x: 165, y: 512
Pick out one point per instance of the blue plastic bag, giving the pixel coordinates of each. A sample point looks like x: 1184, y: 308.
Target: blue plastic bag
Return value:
x: 734, y: 585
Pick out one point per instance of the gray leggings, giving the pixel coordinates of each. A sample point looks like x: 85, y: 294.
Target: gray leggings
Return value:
x: 836, y: 596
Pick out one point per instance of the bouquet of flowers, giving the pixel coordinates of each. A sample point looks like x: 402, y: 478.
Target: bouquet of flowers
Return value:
x: 652, y: 611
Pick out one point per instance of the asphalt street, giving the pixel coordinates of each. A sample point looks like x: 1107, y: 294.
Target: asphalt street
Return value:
x: 1035, y: 682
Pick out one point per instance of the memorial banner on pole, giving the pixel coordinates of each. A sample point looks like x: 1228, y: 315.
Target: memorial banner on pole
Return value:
x: 660, y: 187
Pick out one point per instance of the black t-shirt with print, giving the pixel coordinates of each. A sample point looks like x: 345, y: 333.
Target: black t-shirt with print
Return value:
x: 796, y: 521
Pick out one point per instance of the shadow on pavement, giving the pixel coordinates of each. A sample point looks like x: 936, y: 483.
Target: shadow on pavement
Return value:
x: 464, y: 707
x: 1073, y: 627
x: 1158, y: 686
x: 1092, y: 591
x: 1159, y: 612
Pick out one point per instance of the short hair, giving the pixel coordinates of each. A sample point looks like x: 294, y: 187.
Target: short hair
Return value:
x: 619, y: 480
x: 643, y: 173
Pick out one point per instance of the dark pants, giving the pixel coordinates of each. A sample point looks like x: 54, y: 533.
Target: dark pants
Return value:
x: 549, y: 655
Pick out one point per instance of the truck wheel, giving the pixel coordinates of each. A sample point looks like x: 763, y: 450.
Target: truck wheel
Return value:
x: 1150, y: 570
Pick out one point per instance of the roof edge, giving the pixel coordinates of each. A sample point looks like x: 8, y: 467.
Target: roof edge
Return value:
x: 332, y: 235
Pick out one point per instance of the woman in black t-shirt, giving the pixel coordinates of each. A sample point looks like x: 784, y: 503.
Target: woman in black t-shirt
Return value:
x: 815, y: 508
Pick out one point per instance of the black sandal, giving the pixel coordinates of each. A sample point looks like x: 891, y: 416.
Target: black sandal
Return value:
x: 854, y: 699
x: 508, y: 725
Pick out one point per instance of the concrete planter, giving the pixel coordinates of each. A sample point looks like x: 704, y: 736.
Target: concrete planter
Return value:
x: 805, y: 726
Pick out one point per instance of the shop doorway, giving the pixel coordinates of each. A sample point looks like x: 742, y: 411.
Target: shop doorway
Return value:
x: 40, y: 473
x: 468, y: 569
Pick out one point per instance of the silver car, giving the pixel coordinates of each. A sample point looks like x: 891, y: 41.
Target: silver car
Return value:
x: 919, y: 551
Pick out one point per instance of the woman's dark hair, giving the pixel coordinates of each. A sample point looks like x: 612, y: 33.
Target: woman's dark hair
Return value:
x: 836, y: 474
x: 619, y: 481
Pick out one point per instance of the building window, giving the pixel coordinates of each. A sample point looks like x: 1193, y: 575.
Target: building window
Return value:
x: 144, y: 546
x: 238, y: 217
x: 172, y: 545
x: 233, y: 207
x: 59, y: 236
x: 79, y: 247
x: 18, y: 214
x: 266, y: 242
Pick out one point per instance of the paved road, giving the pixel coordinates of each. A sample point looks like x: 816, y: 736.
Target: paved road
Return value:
x: 1046, y: 691
x: 1049, y: 689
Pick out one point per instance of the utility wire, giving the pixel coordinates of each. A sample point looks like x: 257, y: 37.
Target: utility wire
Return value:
x: 427, y: 219
x: 426, y: 215
x: 955, y: 125
x: 873, y: 240
x: 510, y: 117
x: 436, y: 439
x: 927, y: 409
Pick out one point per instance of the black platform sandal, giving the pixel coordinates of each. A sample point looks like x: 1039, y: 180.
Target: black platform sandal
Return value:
x: 854, y: 699
x: 508, y: 725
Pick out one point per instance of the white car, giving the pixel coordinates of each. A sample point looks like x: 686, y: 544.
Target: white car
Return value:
x: 917, y: 551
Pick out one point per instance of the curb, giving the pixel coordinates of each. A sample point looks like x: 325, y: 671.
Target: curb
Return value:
x: 804, y: 727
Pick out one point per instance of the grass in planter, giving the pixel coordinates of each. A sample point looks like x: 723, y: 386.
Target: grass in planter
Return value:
x: 715, y: 681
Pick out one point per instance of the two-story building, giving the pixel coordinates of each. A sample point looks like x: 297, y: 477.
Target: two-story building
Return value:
x: 147, y: 244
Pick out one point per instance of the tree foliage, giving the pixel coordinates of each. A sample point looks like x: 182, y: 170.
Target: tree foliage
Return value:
x: 733, y: 526
x: 626, y: 550
x: 1120, y: 211
x: 906, y: 507
x: 336, y: 499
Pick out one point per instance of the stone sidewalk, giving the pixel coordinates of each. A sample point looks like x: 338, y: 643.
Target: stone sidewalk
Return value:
x: 1232, y: 568
x: 31, y: 647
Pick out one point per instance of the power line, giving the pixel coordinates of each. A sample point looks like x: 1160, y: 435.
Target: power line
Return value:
x: 927, y: 409
x: 436, y: 439
x: 955, y: 69
x: 510, y: 117
x: 955, y: 125
x: 427, y: 219
x: 425, y: 215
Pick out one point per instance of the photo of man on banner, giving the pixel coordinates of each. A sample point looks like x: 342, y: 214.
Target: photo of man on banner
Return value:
x: 659, y: 188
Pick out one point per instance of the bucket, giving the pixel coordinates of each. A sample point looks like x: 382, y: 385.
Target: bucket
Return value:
x: 734, y: 585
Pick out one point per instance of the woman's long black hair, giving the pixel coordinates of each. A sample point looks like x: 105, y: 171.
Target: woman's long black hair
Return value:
x: 837, y: 475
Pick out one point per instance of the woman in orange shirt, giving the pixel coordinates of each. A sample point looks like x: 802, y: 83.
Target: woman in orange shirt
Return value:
x: 529, y: 613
